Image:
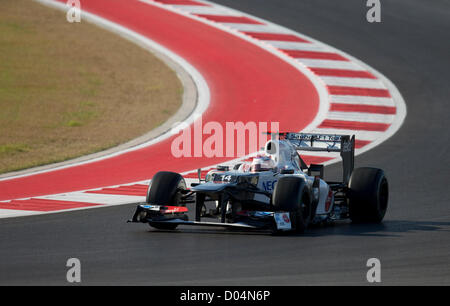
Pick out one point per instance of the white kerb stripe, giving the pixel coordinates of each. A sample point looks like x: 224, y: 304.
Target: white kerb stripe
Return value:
x: 206, y: 10
x: 363, y: 135
x: 353, y: 82
x: 318, y: 154
x: 361, y: 117
x: 96, y: 198
x: 294, y: 45
x: 380, y: 101
x: 258, y: 28
x: 320, y: 63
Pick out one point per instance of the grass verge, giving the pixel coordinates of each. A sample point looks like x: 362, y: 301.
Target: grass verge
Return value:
x: 68, y: 90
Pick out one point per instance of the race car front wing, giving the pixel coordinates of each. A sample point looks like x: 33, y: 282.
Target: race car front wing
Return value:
x: 177, y: 215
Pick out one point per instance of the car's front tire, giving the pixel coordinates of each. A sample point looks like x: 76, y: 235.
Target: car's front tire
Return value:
x: 291, y: 194
x: 165, y: 190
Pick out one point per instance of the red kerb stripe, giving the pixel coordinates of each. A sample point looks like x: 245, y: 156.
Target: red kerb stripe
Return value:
x: 194, y: 174
x: 229, y: 19
x: 343, y: 73
x: 119, y: 192
x: 315, y: 55
x: 276, y: 36
x: 357, y: 91
x: 354, y: 125
x: 361, y: 143
x: 315, y: 159
x: 361, y: 108
x: 34, y: 204
x: 134, y: 190
x: 182, y: 2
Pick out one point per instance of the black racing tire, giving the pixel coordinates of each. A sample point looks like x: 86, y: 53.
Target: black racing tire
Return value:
x: 291, y: 194
x: 165, y: 226
x: 164, y: 190
x: 368, y: 195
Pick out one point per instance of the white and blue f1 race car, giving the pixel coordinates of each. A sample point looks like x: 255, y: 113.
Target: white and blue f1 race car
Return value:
x: 277, y: 191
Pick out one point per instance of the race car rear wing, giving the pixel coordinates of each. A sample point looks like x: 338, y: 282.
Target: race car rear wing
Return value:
x: 344, y: 144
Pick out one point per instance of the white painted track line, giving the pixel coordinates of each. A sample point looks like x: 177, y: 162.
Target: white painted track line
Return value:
x: 8, y: 213
x: 97, y: 198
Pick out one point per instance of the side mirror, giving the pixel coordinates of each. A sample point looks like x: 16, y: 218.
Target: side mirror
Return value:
x: 271, y: 147
x: 313, y: 168
x: 199, y: 174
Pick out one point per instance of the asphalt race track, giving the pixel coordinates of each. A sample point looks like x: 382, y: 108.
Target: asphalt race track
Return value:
x: 411, y: 48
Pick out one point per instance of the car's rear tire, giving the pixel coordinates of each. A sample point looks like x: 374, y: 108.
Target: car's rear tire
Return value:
x: 291, y: 194
x: 368, y: 195
x: 164, y: 189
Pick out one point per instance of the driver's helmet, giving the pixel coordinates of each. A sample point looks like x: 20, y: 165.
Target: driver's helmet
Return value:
x: 262, y: 163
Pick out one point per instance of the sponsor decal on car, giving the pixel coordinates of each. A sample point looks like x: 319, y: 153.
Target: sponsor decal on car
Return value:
x: 269, y: 185
x: 283, y: 221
